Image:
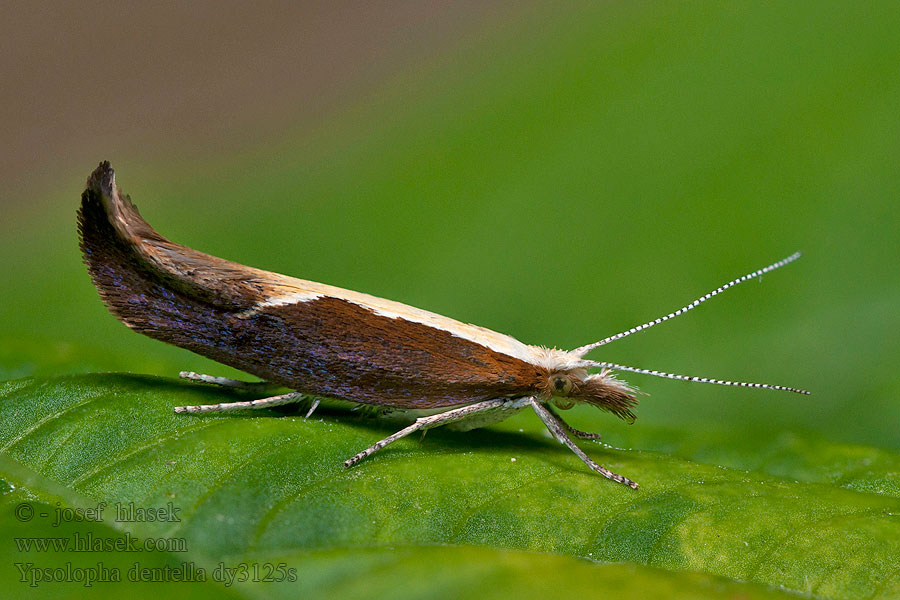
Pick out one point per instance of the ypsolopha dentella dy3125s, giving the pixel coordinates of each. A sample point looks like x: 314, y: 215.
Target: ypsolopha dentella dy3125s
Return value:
x: 321, y: 340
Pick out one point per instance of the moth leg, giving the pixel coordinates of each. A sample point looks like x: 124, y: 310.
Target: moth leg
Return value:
x: 261, y: 403
x: 312, y: 408
x: 428, y: 422
x: 584, y: 435
x: 229, y: 383
x: 555, y: 425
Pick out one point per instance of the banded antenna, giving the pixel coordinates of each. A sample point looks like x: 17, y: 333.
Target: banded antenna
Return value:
x: 767, y: 386
x: 585, y: 349
x: 616, y: 367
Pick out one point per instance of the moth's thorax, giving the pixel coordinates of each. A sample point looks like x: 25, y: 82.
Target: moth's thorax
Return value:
x: 555, y: 360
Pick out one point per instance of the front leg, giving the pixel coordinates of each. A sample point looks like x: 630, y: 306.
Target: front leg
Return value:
x: 557, y: 428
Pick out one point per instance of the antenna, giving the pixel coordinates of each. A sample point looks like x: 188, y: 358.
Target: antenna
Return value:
x: 585, y: 349
x: 768, y: 386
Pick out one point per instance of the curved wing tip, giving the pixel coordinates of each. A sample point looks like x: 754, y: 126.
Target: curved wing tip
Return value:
x: 103, y: 179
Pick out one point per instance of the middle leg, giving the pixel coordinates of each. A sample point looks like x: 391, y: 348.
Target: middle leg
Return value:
x: 478, y: 413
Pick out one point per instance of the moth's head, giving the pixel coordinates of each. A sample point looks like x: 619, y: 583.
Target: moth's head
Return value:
x: 566, y: 388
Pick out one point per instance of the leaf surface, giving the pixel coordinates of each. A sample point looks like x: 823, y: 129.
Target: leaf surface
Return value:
x: 268, y: 488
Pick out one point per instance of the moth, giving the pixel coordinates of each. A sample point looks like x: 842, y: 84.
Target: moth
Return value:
x: 320, y: 340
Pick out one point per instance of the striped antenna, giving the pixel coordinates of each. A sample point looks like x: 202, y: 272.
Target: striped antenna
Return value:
x: 768, y: 386
x: 585, y: 349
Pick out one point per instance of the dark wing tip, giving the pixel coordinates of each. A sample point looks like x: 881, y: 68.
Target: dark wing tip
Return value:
x: 114, y: 236
x: 103, y: 179
x: 102, y: 200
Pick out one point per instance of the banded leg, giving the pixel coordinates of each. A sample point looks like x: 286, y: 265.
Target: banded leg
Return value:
x: 250, y: 404
x: 428, y: 422
x: 256, y: 386
x: 555, y: 425
x: 584, y: 435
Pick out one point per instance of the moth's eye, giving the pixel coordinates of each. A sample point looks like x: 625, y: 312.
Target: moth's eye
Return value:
x: 561, y: 385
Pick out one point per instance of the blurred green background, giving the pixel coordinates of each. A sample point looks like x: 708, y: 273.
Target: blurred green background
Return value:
x: 555, y: 174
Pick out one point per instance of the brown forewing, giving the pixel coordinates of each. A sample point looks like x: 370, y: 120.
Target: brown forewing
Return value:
x: 333, y: 347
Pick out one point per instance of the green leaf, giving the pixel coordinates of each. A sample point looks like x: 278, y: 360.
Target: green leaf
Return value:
x: 451, y: 515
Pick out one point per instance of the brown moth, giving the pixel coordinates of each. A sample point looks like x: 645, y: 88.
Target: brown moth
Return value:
x: 321, y: 340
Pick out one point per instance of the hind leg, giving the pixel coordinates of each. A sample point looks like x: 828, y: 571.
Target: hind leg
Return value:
x: 250, y: 404
x: 226, y: 382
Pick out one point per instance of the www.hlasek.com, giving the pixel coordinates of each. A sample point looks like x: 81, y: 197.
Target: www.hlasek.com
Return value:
x: 187, y: 572
x: 88, y: 542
